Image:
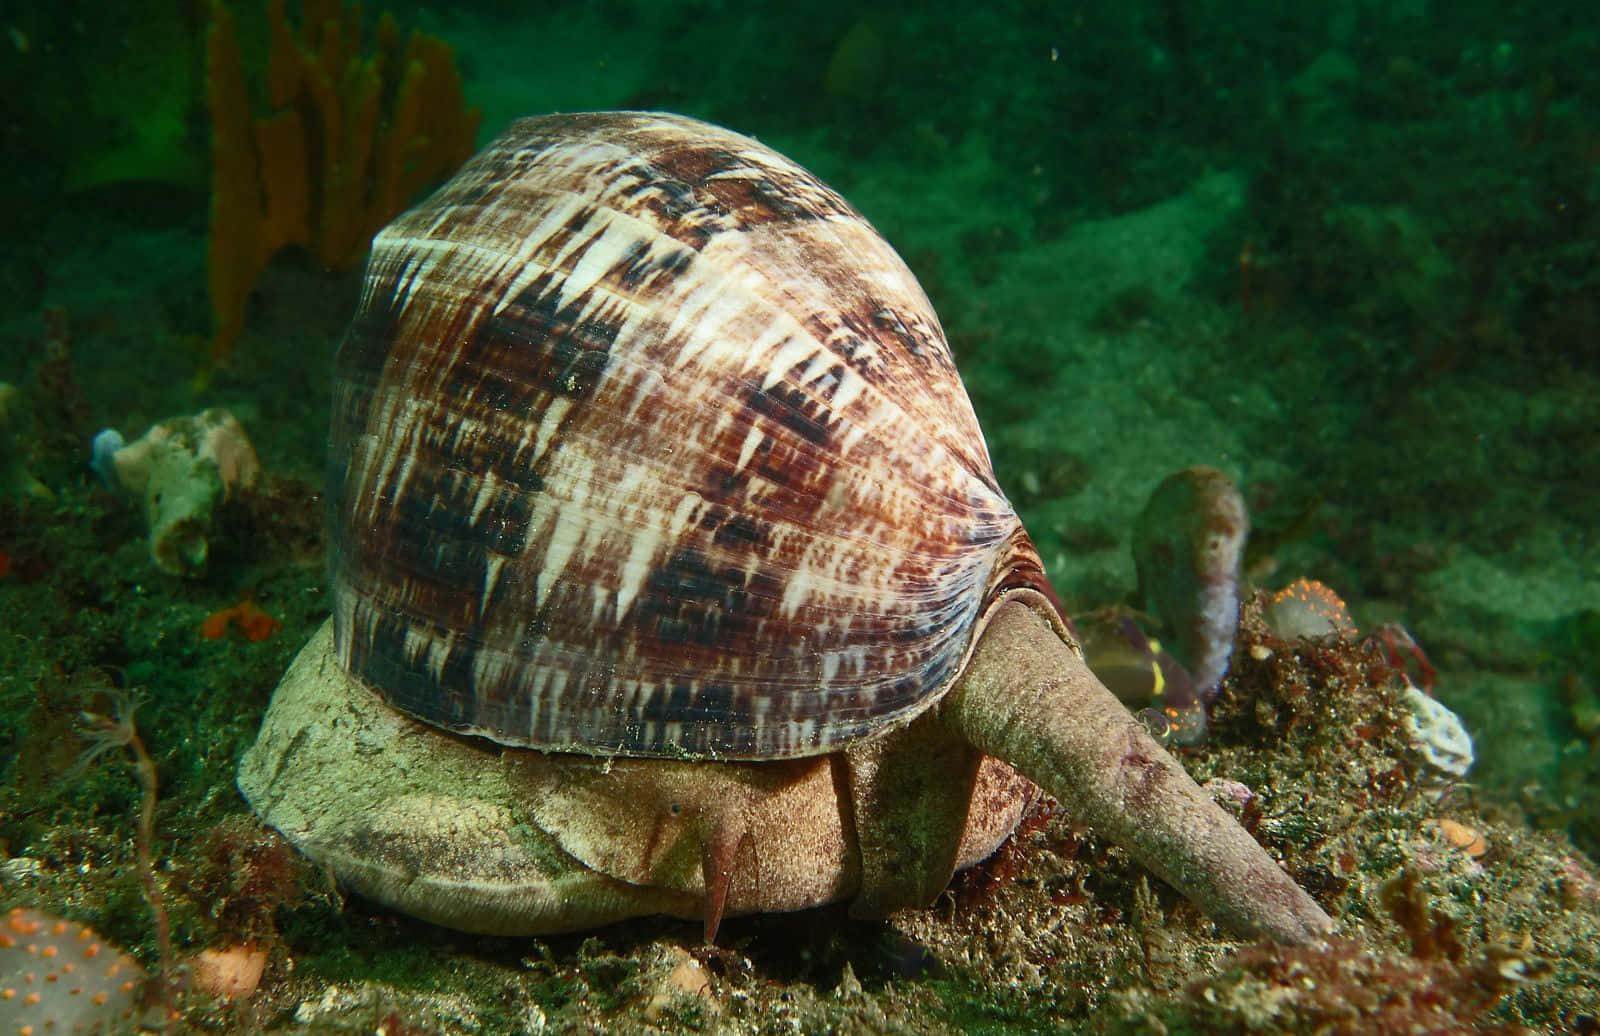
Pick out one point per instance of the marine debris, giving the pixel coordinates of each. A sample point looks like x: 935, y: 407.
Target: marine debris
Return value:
x: 183, y: 469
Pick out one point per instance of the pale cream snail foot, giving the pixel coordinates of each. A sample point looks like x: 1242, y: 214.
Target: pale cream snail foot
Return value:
x: 413, y: 818
x: 473, y: 836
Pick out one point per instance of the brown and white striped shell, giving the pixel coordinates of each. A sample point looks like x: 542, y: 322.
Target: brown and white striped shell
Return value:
x: 645, y: 442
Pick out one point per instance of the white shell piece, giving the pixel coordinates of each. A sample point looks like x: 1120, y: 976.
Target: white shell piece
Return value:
x: 1438, y: 734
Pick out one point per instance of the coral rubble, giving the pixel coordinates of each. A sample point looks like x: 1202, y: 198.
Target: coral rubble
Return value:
x: 183, y: 469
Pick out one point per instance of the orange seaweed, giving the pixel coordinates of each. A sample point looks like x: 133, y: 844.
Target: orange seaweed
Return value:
x: 254, y: 624
x: 346, y: 139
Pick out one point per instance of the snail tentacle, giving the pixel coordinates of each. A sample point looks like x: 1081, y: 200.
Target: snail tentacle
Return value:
x: 1029, y: 698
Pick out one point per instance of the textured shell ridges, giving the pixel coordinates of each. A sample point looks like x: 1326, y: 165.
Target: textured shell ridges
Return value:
x: 645, y: 442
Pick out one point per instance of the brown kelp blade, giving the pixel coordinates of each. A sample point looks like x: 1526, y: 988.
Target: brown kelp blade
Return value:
x: 1028, y: 698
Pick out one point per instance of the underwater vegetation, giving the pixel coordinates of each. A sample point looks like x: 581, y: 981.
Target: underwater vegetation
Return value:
x: 346, y: 141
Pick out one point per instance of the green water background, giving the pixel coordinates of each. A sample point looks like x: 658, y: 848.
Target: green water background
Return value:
x: 1347, y: 253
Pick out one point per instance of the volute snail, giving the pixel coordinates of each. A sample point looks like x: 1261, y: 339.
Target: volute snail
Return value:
x: 670, y: 574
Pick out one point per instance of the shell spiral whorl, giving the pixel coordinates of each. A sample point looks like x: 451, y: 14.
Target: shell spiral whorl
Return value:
x: 645, y: 442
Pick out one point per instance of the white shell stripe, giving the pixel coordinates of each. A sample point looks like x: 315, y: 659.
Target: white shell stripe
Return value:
x: 646, y: 443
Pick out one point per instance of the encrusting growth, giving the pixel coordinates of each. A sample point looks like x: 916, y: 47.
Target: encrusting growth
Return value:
x: 58, y: 976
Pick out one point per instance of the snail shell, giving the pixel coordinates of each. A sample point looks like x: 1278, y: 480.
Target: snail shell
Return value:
x: 645, y: 442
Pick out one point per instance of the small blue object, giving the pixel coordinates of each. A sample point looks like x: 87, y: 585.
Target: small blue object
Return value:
x: 101, y: 455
